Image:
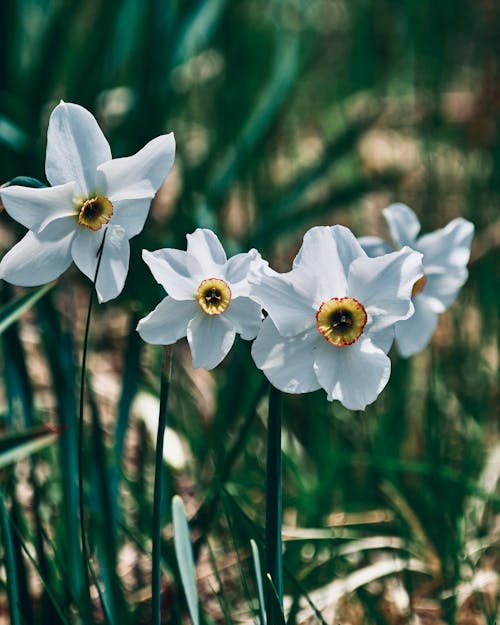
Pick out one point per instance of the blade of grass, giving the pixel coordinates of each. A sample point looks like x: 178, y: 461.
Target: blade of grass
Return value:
x: 10, y: 565
x: 258, y: 577
x: 15, y: 447
x: 166, y: 366
x: 274, y: 558
x: 185, y: 560
x: 10, y: 312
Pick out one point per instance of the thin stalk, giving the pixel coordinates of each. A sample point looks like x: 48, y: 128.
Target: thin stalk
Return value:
x: 274, y: 559
x: 80, y: 419
x: 166, y: 367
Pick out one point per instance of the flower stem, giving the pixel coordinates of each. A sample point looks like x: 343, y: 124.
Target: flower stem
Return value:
x: 80, y: 420
x: 274, y: 559
x: 166, y: 366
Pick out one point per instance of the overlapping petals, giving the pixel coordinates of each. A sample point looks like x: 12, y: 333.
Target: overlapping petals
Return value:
x: 210, y: 329
x: 332, y: 267
x: 79, y: 167
x: 445, y: 256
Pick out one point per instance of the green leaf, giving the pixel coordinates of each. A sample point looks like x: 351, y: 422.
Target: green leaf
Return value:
x: 26, y: 181
x: 185, y: 561
x: 10, y: 312
x: 10, y: 564
x: 258, y: 577
x: 15, y: 447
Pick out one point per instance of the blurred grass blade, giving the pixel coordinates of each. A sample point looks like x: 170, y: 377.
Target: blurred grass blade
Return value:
x: 26, y: 181
x: 15, y: 447
x: 10, y: 565
x: 274, y: 558
x: 10, y: 312
x: 184, y: 554
x: 276, y: 608
x: 197, y: 29
x: 258, y: 577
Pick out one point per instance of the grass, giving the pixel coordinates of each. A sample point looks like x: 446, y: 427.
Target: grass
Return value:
x: 286, y: 114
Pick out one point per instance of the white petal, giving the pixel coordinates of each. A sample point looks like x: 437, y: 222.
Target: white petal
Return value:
x: 131, y: 214
x: 210, y: 340
x: 167, y: 323
x: 375, y: 246
x: 286, y: 299
x: 328, y: 251
x: 244, y: 316
x: 287, y: 361
x: 404, y: 225
x: 85, y: 248
x: 441, y: 289
x: 76, y: 146
x: 383, y: 338
x: 204, y: 245
x: 413, y: 334
x: 383, y: 285
x: 177, y: 271
x: 140, y: 175
x: 240, y: 268
x: 447, y: 248
x: 355, y: 374
x: 114, y: 264
x: 39, y: 258
x: 36, y: 208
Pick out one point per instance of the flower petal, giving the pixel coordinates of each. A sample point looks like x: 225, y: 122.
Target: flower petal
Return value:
x: 375, y: 246
x: 404, y: 225
x: 167, y: 323
x: 204, y: 245
x: 327, y: 252
x: 447, y: 248
x: 114, y: 264
x: 36, y: 208
x: 287, y: 361
x: 413, y: 334
x: 75, y: 148
x: 177, y: 271
x: 286, y: 299
x: 355, y: 374
x: 244, y: 316
x: 85, y: 248
x: 39, y: 258
x: 210, y: 340
x: 441, y: 289
x: 141, y: 175
x: 238, y: 270
x: 384, y: 285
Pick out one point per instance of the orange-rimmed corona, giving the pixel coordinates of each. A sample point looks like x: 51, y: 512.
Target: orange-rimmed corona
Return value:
x: 95, y: 212
x: 341, y: 320
x: 214, y: 296
x: 419, y: 286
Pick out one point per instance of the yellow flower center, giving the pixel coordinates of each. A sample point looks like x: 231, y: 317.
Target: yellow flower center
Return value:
x: 95, y: 212
x: 341, y: 320
x: 213, y: 296
x: 419, y: 286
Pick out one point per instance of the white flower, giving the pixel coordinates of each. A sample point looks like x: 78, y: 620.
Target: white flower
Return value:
x: 445, y: 256
x: 331, y: 318
x: 208, y: 298
x: 91, y: 194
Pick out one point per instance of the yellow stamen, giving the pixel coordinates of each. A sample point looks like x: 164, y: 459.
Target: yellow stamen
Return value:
x: 95, y: 212
x: 214, y: 296
x: 341, y: 320
x: 419, y: 286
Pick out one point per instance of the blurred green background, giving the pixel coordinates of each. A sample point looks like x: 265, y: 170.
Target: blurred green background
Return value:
x: 287, y: 114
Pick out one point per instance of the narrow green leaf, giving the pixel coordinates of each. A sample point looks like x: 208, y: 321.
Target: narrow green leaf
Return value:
x: 15, y: 447
x: 10, y: 312
x: 10, y: 565
x: 277, y: 617
x: 258, y: 577
x: 184, y: 554
x: 26, y: 181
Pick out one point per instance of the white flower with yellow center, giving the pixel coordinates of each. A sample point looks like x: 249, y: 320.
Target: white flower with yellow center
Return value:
x: 91, y: 194
x: 331, y: 318
x: 445, y: 256
x: 208, y: 298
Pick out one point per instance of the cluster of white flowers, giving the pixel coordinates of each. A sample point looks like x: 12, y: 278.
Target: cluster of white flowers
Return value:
x: 328, y: 323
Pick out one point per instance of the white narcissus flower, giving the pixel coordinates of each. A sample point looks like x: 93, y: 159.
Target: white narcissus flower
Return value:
x: 91, y: 194
x: 445, y: 256
x: 330, y: 319
x: 208, y: 298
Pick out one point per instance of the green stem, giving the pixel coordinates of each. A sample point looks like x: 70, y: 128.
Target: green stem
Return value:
x: 274, y: 559
x: 166, y: 366
x: 80, y: 419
